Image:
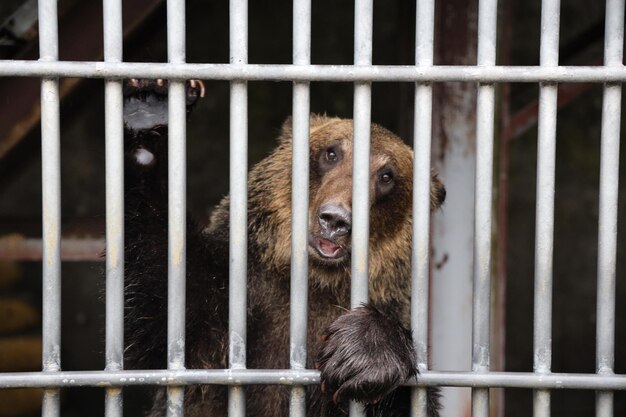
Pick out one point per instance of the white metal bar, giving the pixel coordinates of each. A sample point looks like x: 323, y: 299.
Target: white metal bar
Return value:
x: 238, y: 203
x: 51, y: 209
x: 360, y: 193
x: 300, y: 205
x: 363, y: 22
x: 51, y: 196
x: 544, y: 228
x: 114, y: 174
x: 422, y: 133
x: 333, y: 73
x: 486, y: 56
x: 608, y: 205
x: 361, y: 155
x: 291, y: 377
x: 177, y: 206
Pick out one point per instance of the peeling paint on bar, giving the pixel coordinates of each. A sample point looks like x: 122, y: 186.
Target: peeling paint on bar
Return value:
x: 51, y: 204
x: 177, y: 205
x: 106, y: 379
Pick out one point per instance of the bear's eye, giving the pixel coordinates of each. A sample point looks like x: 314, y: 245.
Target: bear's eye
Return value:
x: 329, y: 158
x: 386, y: 177
x: 384, y: 183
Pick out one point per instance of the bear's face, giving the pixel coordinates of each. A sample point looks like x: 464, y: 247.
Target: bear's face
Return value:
x: 330, y: 199
x: 330, y: 213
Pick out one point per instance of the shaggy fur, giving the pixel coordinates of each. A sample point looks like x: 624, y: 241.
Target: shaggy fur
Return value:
x: 363, y: 354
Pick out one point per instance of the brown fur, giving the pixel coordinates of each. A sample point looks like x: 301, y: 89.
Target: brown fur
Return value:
x: 389, y: 245
x: 269, y: 243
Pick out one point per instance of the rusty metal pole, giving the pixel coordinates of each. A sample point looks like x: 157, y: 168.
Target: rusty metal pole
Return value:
x: 454, y: 156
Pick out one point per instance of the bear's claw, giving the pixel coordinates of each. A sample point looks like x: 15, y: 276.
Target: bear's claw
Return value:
x: 199, y: 85
x: 141, y: 89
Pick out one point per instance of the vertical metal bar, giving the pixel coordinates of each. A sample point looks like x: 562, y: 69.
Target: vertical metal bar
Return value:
x: 177, y: 206
x: 486, y: 56
x: 300, y: 204
x: 361, y: 174
x: 51, y: 209
x: 544, y: 228
x: 114, y: 159
x: 607, y: 222
x: 238, y: 204
x: 363, y: 22
x: 425, y: 28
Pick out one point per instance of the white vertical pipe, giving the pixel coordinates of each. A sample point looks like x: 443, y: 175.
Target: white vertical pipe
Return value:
x: 238, y: 203
x: 51, y: 208
x: 608, y: 205
x: 361, y: 151
x: 300, y: 204
x: 422, y: 132
x: 177, y: 206
x: 486, y: 56
x: 363, y: 22
x: 114, y: 158
x: 544, y: 228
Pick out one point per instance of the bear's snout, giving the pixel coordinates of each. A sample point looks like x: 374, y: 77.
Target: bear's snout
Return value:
x: 334, y: 220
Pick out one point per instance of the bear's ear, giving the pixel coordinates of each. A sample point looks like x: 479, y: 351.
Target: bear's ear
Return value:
x: 437, y: 191
x: 286, y: 130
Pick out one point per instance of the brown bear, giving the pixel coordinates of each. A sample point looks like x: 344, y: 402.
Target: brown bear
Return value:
x: 363, y: 354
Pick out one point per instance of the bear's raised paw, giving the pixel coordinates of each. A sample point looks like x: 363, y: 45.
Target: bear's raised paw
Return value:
x: 146, y: 117
x: 145, y: 102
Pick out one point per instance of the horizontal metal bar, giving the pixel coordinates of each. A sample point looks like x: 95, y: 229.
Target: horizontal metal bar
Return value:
x: 347, y: 73
x: 17, y: 248
x: 300, y: 377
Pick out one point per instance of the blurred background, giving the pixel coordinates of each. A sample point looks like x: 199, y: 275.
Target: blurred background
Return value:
x: 270, y: 39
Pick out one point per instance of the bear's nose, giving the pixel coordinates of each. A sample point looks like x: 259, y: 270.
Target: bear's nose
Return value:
x: 335, y: 220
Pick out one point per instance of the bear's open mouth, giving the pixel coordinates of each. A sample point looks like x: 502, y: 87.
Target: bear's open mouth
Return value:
x: 326, y: 249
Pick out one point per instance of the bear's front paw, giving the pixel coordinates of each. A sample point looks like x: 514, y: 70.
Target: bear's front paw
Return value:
x: 145, y: 102
x: 146, y: 118
x: 364, y: 356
